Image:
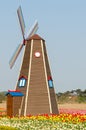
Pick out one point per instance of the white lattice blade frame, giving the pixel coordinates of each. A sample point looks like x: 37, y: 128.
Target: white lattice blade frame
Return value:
x: 21, y: 20
x: 14, y: 57
x: 33, y: 30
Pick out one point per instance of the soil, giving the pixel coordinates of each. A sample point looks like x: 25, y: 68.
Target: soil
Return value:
x: 3, y: 105
x: 77, y: 106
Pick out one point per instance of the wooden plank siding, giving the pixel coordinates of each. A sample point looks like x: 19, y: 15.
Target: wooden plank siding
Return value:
x: 9, y: 105
x: 24, y: 72
x: 38, y: 100
x: 16, y: 105
x: 51, y: 90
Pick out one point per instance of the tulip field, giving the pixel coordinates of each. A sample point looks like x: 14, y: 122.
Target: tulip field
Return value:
x: 66, y: 120
x: 45, y: 122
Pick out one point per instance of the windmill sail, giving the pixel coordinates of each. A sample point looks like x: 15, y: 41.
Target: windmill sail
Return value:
x: 33, y: 30
x: 21, y: 20
x: 14, y: 57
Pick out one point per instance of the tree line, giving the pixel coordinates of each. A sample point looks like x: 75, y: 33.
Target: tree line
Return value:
x: 72, y: 96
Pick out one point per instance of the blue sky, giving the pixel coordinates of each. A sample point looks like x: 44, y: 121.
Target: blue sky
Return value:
x: 62, y: 23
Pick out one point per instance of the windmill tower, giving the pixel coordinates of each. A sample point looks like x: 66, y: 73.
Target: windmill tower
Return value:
x: 34, y: 92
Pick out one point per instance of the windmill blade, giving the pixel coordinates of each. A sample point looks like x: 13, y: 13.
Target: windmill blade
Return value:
x: 33, y: 30
x: 14, y: 57
x: 21, y: 20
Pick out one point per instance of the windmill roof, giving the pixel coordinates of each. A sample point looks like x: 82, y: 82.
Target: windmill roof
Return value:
x: 22, y: 77
x: 15, y: 94
x: 35, y: 37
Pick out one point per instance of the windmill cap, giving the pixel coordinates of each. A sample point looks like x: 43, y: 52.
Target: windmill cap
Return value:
x: 35, y: 37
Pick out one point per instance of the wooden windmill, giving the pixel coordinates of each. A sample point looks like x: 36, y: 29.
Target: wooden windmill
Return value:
x: 34, y: 92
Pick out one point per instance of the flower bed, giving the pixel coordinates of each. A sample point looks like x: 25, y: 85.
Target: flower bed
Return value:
x: 72, y: 111
x: 46, y: 122
x: 66, y: 120
x: 2, y: 111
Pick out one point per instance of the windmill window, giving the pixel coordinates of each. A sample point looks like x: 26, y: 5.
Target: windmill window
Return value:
x: 22, y: 82
x: 50, y: 82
